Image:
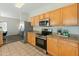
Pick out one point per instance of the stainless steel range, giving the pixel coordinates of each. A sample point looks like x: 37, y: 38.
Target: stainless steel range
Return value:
x: 41, y: 39
x: 41, y: 42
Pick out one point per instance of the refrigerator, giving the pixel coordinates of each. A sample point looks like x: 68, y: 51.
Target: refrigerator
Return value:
x: 24, y: 27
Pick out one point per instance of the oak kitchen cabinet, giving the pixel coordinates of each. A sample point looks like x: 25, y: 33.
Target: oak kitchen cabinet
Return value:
x: 47, y: 15
x: 41, y: 17
x: 31, y: 38
x: 1, y: 38
x: 52, y: 46
x: 35, y: 21
x: 70, y: 15
x: 56, y: 17
x: 61, y: 47
x: 67, y: 48
x: 66, y: 16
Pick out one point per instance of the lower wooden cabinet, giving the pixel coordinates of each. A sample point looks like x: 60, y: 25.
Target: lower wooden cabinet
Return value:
x: 52, y: 46
x: 31, y: 38
x: 67, y: 49
x: 60, y: 47
x: 1, y: 38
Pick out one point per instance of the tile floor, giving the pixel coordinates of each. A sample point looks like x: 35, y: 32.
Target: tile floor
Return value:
x: 19, y: 49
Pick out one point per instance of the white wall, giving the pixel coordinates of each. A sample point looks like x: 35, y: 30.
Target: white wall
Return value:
x: 13, y: 22
x: 12, y: 25
x: 24, y: 17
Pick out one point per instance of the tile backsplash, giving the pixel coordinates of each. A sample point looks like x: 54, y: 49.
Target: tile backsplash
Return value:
x: 71, y: 29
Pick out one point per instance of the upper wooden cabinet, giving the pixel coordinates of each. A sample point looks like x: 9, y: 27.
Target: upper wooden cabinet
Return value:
x: 47, y: 15
x: 36, y: 18
x: 56, y: 17
x: 44, y: 16
x: 67, y: 16
x: 41, y: 17
x: 70, y: 15
x: 35, y: 21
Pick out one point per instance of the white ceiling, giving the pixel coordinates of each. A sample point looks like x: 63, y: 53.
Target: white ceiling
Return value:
x: 28, y: 7
x: 9, y: 9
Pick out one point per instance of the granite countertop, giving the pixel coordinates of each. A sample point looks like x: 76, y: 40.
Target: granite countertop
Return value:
x: 73, y: 38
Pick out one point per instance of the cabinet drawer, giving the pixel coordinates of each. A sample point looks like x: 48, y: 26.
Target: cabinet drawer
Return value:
x: 68, y: 42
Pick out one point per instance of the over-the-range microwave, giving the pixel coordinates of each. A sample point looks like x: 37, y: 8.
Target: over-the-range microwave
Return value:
x: 44, y: 22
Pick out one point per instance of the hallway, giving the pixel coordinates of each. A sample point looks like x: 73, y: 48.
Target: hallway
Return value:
x: 11, y: 38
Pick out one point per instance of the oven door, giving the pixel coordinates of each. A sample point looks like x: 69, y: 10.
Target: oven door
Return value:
x: 41, y: 43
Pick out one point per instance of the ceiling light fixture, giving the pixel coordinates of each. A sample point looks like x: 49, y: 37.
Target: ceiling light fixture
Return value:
x: 19, y: 5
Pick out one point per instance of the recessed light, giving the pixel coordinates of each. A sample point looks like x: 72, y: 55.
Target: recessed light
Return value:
x: 19, y: 5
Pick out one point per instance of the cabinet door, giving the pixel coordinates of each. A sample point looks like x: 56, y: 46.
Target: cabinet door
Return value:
x: 47, y: 15
x: 70, y: 15
x: 1, y: 38
x: 65, y: 49
x: 36, y: 18
x: 56, y: 17
x: 52, y: 47
x: 78, y: 13
x: 35, y: 21
x: 31, y: 38
x: 41, y: 17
